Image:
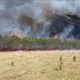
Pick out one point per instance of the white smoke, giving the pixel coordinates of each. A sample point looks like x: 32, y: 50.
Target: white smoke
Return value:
x: 66, y: 32
x: 38, y: 11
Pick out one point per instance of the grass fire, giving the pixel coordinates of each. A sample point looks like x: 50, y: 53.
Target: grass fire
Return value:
x: 18, y: 42
x: 39, y: 39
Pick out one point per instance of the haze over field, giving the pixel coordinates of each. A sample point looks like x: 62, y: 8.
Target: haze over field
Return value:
x: 40, y: 18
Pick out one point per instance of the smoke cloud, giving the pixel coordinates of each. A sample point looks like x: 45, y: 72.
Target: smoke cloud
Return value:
x: 39, y: 18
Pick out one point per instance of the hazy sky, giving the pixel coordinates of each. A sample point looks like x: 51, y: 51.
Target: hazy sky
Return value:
x: 13, y: 10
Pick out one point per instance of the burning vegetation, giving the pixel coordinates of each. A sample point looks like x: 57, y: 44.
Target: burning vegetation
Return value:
x: 56, y: 37
x: 39, y: 25
x: 14, y: 43
x: 40, y: 19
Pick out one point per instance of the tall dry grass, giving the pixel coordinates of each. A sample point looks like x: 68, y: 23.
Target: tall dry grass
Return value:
x: 39, y: 65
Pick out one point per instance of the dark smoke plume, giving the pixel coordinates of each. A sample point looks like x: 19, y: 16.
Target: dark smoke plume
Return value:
x: 40, y: 18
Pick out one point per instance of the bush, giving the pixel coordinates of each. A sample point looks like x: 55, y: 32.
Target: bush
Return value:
x: 28, y: 43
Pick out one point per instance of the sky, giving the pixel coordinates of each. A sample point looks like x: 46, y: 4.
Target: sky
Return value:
x: 33, y: 17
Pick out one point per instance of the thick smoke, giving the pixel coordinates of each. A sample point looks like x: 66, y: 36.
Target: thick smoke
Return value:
x: 40, y: 18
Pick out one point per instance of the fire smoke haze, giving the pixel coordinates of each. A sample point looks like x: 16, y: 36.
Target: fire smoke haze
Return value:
x: 39, y: 18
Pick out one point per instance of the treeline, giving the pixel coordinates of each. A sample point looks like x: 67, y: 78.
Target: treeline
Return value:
x: 28, y: 43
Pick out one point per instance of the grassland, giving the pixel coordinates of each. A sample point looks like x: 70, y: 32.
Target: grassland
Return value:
x: 39, y: 65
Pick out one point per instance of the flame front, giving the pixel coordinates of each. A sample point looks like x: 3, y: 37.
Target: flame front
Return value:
x: 56, y: 37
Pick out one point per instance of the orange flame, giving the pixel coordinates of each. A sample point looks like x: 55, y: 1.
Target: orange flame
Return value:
x: 56, y: 37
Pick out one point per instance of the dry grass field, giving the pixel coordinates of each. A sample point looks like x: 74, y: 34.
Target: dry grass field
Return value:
x: 40, y: 65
